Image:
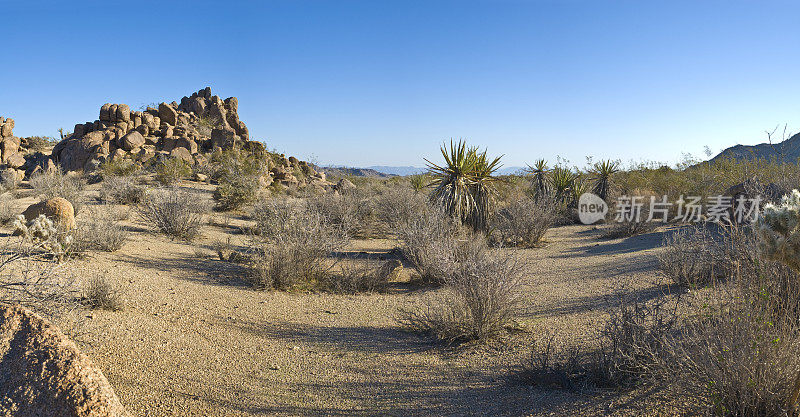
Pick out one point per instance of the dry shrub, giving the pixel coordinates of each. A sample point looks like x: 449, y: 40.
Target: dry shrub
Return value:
x: 524, y: 222
x: 738, y: 351
x: 430, y: 243
x: 7, y: 210
x: 54, y: 183
x: 176, y: 213
x: 9, y: 181
x: 100, y: 293
x: 396, y: 208
x: 98, y: 230
x: 121, y: 190
x: 695, y: 256
x: 478, y: 300
x: 358, y: 276
x: 346, y: 211
x: 290, y: 245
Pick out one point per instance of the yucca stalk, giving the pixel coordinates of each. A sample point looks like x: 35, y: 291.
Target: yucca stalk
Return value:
x: 463, y: 184
x: 538, y: 173
x: 602, y: 172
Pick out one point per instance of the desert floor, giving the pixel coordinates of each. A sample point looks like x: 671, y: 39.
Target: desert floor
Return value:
x: 195, y: 340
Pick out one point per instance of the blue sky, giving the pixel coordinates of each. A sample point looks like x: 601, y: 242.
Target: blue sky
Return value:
x: 385, y: 82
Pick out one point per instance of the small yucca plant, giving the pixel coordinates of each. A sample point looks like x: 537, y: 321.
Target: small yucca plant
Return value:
x: 538, y: 173
x: 463, y: 184
x: 561, y: 182
x: 602, y: 172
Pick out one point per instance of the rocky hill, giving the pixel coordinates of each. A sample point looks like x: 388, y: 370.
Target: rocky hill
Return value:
x: 787, y: 151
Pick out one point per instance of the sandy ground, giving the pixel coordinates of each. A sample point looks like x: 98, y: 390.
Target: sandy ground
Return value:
x: 195, y: 340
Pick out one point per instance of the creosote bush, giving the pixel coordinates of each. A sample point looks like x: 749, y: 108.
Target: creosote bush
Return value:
x: 290, y: 245
x: 170, y: 171
x: 176, y: 213
x: 54, y: 183
x: 237, y: 173
x: 121, y: 190
x: 118, y: 168
x: 477, y: 301
x: 359, y: 276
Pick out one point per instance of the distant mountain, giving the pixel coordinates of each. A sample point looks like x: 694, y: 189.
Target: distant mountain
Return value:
x: 787, y: 151
x: 355, y: 172
x: 399, y: 171
x: 409, y: 170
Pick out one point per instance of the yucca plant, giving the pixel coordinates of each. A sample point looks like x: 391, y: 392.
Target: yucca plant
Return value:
x: 538, y: 173
x: 419, y: 181
x: 602, y: 172
x: 463, y: 185
x: 562, y: 180
x: 580, y: 185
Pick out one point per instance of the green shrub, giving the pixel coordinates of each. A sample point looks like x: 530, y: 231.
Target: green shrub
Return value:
x: 171, y: 170
x: 118, y: 168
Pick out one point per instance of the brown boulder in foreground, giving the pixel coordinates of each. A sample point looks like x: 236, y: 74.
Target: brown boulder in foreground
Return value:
x: 43, y: 374
x: 57, y: 209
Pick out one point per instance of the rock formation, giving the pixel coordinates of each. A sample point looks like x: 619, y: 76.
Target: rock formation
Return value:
x: 43, y: 374
x: 200, y: 123
x: 10, y: 153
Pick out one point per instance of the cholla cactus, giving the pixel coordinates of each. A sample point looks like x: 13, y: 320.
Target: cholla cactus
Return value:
x: 779, y: 239
x: 43, y: 232
x: 779, y: 232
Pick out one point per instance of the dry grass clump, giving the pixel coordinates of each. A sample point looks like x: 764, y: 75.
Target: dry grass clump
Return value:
x: 290, y: 245
x: 176, y: 213
x: 121, y: 190
x: 98, y: 230
x: 170, y: 171
x: 478, y: 300
x: 9, y: 181
x: 695, y: 256
x: 524, y: 222
x: 99, y: 293
x: 54, y: 183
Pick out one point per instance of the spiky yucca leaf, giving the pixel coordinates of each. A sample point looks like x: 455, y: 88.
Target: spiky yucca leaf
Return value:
x: 463, y: 183
x: 538, y: 173
x: 602, y: 172
x: 562, y: 180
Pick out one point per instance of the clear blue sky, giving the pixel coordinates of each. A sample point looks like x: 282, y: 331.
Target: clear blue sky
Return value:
x: 385, y: 82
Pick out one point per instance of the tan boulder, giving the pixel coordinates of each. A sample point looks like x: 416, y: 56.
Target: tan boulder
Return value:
x: 182, y: 153
x: 57, y: 209
x: 44, y: 374
x: 167, y: 114
x: 131, y: 141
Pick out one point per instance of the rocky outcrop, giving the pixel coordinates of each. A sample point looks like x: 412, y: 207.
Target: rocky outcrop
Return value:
x: 57, y: 209
x: 199, y: 123
x: 11, y: 154
x: 43, y: 374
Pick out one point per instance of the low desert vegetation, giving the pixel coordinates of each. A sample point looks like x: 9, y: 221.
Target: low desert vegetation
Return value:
x: 478, y: 299
x: 55, y: 183
x: 290, y: 245
x: 174, y: 212
x: 122, y: 189
x: 238, y: 175
x: 99, y: 293
x: 118, y: 168
x: 98, y: 230
x: 523, y: 222
x: 170, y: 171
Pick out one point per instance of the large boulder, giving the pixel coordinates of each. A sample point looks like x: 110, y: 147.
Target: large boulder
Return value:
x: 44, y: 374
x: 167, y: 114
x: 57, y: 209
x: 131, y: 141
x: 7, y: 128
x: 182, y: 153
x: 225, y: 138
x: 123, y: 113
